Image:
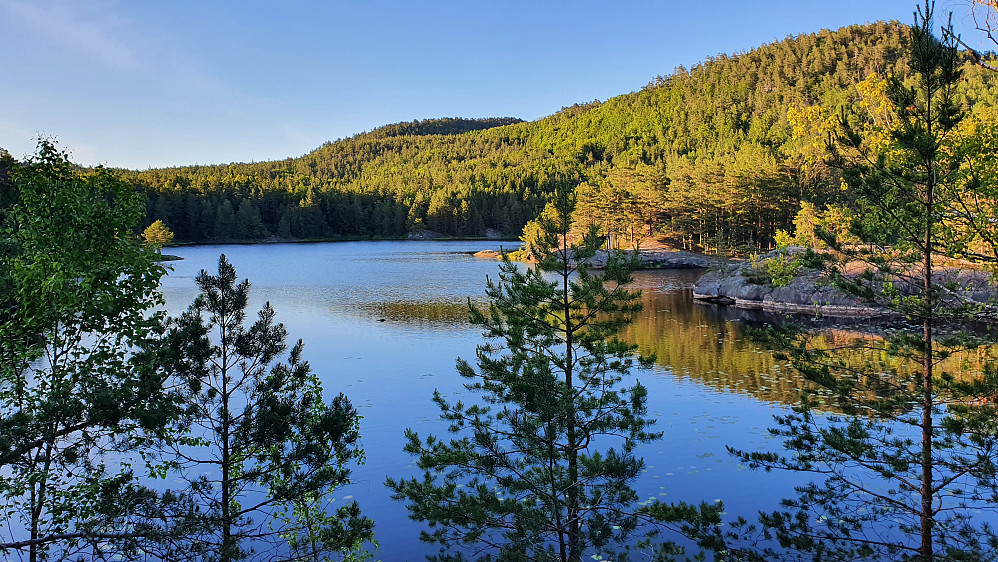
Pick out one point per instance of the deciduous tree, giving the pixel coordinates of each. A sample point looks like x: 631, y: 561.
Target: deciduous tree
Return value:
x: 78, y: 393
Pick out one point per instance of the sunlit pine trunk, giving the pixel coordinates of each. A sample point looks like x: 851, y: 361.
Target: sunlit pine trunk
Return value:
x: 927, y: 520
x: 559, y: 524
x: 572, y: 495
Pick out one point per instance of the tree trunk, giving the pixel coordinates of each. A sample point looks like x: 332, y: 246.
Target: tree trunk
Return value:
x: 927, y: 520
x: 572, y: 498
x: 227, y: 544
x: 33, y: 549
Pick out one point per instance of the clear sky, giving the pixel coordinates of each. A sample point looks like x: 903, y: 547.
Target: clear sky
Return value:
x: 141, y: 84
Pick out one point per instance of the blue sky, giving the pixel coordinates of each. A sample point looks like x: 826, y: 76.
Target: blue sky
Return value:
x: 140, y: 84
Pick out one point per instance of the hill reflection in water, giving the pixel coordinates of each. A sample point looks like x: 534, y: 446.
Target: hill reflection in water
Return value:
x: 426, y: 312
x: 703, y: 343
x: 706, y: 343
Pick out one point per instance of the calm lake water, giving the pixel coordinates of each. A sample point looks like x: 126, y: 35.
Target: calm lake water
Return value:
x: 384, y: 322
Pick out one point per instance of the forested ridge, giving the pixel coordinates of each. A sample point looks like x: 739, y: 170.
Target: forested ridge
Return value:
x: 126, y: 434
x: 706, y: 156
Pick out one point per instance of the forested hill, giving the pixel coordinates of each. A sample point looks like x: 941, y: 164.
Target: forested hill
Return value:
x: 704, y: 155
x: 445, y: 126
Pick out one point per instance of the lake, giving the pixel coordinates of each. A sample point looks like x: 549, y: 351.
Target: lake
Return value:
x: 384, y: 322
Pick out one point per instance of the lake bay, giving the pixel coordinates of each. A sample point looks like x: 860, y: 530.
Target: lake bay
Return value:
x: 384, y: 322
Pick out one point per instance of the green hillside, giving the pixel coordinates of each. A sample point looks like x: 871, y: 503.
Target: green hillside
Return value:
x: 704, y: 155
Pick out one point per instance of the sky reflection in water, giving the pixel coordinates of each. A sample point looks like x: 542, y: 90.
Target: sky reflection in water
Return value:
x: 384, y: 322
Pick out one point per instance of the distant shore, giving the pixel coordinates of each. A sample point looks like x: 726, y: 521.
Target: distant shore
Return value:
x: 275, y: 240
x: 658, y: 258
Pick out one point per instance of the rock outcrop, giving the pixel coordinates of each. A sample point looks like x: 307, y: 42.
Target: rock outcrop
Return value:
x: 423, y: 235
x: 674, y: 259
x: 812, y: 293
x: 808, y: 294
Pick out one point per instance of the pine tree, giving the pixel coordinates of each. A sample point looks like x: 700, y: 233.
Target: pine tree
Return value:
x: 262, y: 452
x: 157, y: 235
x: 912, y: 455
x: 541, y: 468
x: 249, y: 225
x: 225, y: 221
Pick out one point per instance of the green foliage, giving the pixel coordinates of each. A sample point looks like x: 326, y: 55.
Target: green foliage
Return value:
x: 257, y: 441
x: 907, y: 463
x: 819, y: 229
x: 707, y: 156
x: 972, y: 234
x: 541, y: 466
x: 782, y: 269
x: 775, y: 270
x: 8, y: 194
x: 440, y: 175
x: 78, y: 392
x: 157, y: 235
x: 535, y: 235
x: 445, y: 126
x: 756, y: 273
x: 815, y: 260
x: 805, y: 224
x: 783, y: 239
x: 625, y: 206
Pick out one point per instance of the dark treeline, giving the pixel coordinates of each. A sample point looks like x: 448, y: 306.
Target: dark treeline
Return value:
x: 445, y: 126
x: 706, y: 156
x: 386, y: 183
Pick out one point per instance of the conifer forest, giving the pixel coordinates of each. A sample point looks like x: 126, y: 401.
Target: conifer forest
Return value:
x: 831, y: 198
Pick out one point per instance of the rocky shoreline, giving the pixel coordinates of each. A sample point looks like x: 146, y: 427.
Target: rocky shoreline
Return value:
x: 811, y: 293
x: 807, y: 294
x: 650, y: 259
x: 735, y: 283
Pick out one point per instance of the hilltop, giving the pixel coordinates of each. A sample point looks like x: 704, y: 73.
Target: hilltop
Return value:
x: 704, y: 156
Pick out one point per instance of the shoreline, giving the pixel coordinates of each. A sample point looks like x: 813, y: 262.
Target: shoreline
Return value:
x: 650, y: 259
x: 811, y: 292
x: 329, y: 240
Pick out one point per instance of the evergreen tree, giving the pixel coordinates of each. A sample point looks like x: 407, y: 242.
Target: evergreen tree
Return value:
x: 284, y: 225
x: 157, y: 235
x: 249, y: 225
x: 205, y: 229
x: 225, y: 221
x: 912, y: 456
x: 262, y: 451
x: 542, y: 467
